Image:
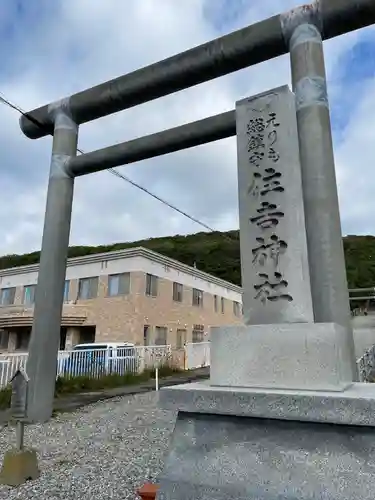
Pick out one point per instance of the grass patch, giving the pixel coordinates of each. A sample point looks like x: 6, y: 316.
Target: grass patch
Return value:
x: 76, y: 385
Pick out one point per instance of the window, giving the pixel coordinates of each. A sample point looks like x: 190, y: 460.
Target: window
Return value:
x: 4, y: 339
x: 181, y: 338
x: 215, y: 303
x: 237, y: 309
x: 151, y: 285
x: 146, y: 334
x: 222, y: 305
x: 197, y: 297
x: 177, y: 292
x: 198, y: 333
x: 7, y: 296
x: 88, y: 288
x: 125, y: 351
x: 66, y: 290
x: 29, y: 294
x: 118, y: 284
x: 161, y: 335
x: 91, y: 347
x: 89, y: 354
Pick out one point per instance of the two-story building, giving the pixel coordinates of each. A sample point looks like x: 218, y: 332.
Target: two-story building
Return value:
x: 133, y: 295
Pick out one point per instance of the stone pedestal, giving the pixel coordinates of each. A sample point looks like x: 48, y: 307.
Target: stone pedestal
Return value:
x: 280, y: 419
x: 269, y: 444
x: 19, y: 466
x: 286, y: 356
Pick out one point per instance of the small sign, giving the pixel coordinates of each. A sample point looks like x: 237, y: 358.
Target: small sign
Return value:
x: 18, y: 405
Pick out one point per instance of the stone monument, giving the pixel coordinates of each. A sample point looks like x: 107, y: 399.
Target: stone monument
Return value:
x: 20, y: 464
x: 281, y: 417
x: 277, y: 299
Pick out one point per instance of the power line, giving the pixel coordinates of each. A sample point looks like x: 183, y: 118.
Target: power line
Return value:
x: 10, y: 104
x: 113, y: 171
x: 122, y: 176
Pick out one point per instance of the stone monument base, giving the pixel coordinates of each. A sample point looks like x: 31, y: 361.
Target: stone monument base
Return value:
x: 307, y: 356
x: 18, y: 467
x: 269, y: 444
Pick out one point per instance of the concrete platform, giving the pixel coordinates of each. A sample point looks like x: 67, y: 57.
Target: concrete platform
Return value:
x: 217, y: 457
x: 355, y: 406
x: 249, y: 444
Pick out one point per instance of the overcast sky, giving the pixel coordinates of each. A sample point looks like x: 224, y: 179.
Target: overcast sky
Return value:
x: 50, y: 49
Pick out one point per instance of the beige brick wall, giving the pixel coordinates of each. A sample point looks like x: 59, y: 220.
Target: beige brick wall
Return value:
x: 163, y: 311
x: 122, y: 318
x: 115, y: 318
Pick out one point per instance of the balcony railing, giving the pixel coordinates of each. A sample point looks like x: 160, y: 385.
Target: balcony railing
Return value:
x: 17, y: 315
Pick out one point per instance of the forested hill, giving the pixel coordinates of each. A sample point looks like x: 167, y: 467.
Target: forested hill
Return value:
x: 219, y: 254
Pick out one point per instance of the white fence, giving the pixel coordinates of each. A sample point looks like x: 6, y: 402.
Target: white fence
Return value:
x: 197, y: 355
x: 94, y: 362
x: 98, y: 362
x: 9, y: 363
x: 131, y: 360
x: 366, y: 365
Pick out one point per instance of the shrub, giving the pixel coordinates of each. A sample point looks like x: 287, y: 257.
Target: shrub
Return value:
x: 167, y: 369
x: 5, y: 397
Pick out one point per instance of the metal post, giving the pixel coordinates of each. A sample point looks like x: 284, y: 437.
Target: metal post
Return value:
x: 45, y: 336
x: 324, y: 238
x: 156, y: 379
x: 20, y: 432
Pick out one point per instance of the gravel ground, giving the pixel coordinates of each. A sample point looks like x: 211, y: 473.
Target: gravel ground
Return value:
x: 106, y: 450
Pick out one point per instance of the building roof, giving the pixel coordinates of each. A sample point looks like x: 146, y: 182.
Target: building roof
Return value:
x: 128, y: 253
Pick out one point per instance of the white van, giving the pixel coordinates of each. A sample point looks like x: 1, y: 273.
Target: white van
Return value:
x: 101, y: 358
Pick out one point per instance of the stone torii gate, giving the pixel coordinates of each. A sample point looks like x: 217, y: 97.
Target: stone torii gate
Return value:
x: 299, y: 32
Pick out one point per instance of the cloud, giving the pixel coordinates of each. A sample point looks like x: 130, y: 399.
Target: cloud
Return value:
x: 355, y: 159
x: 65, y: 46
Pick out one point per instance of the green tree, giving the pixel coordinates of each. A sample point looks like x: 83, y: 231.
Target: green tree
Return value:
x: 219, y: 254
